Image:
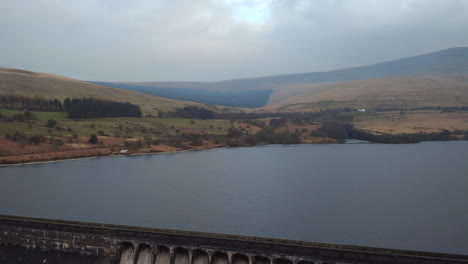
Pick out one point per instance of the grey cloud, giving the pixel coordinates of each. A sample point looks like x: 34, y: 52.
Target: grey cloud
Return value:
x: 204, y: 40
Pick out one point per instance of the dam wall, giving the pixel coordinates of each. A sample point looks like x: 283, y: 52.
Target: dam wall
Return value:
x: 34, y: 240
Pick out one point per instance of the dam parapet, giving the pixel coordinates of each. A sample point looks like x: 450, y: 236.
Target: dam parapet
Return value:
x: 35, y: 240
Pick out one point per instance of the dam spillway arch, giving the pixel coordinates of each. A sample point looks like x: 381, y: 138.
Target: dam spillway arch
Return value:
x: 179, y: 255
x: 35, y: 239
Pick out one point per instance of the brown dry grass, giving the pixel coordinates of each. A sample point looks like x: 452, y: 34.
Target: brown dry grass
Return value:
x: 292, y: 128
x: 163, y: 148
x: 410, y: 92
x: 247, y: 127
x: 413, y: 122
x: 57, y: 155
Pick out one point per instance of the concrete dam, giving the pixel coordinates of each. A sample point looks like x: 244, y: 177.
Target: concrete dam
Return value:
x: 34, y: 240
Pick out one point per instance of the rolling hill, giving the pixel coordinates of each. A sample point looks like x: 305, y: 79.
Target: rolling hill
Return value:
x: 430, y: 80
x: 437, y: 78
x: 20, y: 82
x: 390, y: 93
x: 448, y: 61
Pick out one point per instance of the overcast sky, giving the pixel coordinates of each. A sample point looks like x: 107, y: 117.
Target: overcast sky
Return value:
x: 208, y: 40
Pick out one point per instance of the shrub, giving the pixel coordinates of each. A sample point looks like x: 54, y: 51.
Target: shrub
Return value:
x: 18, y: 117
x: 51, y: 123
x: 101, y: 133
x: 277, y: 122
x: 17, y: 136
x: 133, y: 145
x: 27, y: 114
x: 57, y: 143
x: 196, y: 141
x: 234, y: 132
x: 93, y: 139
x: 36, y: 139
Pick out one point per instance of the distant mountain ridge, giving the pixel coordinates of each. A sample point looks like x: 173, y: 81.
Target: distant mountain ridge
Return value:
x: 306, y: 91
x: 448, y: 61
x: 434, y: 79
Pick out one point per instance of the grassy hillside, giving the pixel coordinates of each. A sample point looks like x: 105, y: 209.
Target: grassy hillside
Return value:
x: 411, y: 122
x: 20, y: 82
x: 438, y: 78
x: 448, y: 61
x: 126, y: 126
x: 408, y: 92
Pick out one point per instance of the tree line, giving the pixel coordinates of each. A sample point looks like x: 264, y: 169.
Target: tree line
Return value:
x: 30, y: 103
x: 443, y: 135
x: 192, y: 112
x: 236, y: 138
x: 342, y: 131
x: 95, y: 108
x: 195, y: 112
x: 76, y: 107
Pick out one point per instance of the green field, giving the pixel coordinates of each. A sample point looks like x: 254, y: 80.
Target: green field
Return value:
x: 39, y: 115
x: 118, y: 127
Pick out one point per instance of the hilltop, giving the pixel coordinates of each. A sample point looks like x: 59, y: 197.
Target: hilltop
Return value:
x: 429, y: 80
x: 448, y: 61
x: 27, y: 83
x: 433, y: 79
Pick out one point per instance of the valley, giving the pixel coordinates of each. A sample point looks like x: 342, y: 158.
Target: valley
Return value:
x: 402, y: 101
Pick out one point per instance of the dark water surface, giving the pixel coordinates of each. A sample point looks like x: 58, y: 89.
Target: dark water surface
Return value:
x: 411, y: 196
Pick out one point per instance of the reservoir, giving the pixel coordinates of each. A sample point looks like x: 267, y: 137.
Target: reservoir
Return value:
x: 407, y: 196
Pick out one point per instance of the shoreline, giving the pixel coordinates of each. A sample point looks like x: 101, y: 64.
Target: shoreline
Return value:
x: 103, y: 156
x: 186, y: 150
